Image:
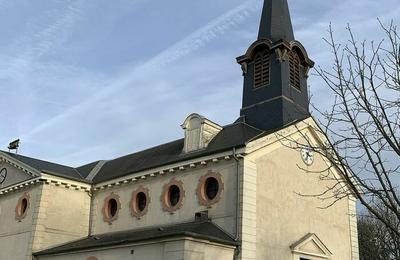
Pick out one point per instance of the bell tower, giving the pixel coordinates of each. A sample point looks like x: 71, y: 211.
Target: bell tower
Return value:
x: 275, y: 70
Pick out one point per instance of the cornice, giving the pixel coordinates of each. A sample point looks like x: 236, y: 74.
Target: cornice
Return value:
x: 168, y: 169
x: 20, y: 186
x: 48, y: 179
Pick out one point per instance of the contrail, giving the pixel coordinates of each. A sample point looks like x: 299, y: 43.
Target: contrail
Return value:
x: 192, y: 42
x: 42, y: 41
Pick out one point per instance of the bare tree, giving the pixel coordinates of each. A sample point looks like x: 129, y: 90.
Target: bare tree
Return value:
x: 376, y: 241
x: 362, y: 125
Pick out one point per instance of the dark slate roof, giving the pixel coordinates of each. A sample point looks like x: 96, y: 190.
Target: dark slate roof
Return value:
x: 48, y: 167
x: 201, y: 230
x: 231, y: 136
x: 275, y: 21
x: 234, y: 135
x: 86, y: 169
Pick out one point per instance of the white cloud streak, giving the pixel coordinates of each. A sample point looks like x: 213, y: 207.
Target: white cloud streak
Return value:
x: 37, y: 43
x: 194, y: 41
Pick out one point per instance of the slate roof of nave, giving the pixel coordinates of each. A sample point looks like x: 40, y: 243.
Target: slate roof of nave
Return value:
x: 49, y: 167
x: 200, y: 230
x: 233, y: 135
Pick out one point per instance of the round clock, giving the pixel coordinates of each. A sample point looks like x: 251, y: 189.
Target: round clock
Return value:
x: 3, y: 175
x: 307, y: 155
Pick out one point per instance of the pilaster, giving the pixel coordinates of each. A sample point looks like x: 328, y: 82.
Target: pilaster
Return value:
x: 353, y: 228
x: 39, y: 216
x: 248, y: 210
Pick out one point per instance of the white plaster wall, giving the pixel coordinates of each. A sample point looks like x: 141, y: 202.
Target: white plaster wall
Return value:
x: 283, y: 216
x: 195, y: 250
x: 15, y: 236
x: 63, y: 216
x: 182, y: 249
x: 145, y: 252
x: 222, y: 213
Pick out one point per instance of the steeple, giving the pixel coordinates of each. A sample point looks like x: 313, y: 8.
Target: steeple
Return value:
x: 275, y: 70
x: 275, y: 21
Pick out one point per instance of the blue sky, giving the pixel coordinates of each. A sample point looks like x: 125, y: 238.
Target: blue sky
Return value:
x: 82, y: 80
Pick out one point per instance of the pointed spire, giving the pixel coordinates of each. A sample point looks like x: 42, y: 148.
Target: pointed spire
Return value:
x: 275, y: 21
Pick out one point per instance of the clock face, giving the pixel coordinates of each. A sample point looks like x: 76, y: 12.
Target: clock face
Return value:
x: 3, y: 175
x: 307, y: 155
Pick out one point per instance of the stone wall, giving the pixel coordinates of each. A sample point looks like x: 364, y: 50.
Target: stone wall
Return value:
x: 222, y: 213
x: 172, y: 249
x: 15, y: 235
x: 284, y: 212
x: 62, y: 216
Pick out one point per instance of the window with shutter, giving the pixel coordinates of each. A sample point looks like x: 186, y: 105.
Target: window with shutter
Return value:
x: 294, y: 61
x: 261, y: 69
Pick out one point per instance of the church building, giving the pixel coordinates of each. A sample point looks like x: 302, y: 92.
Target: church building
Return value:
x: 233, y: 192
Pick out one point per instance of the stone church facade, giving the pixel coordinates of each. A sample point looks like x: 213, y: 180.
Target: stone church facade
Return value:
x: 221, y: 192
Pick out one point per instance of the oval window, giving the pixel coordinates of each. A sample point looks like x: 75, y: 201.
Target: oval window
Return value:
x: 24, y: 206
x: 174, y: 195
x: 112, y: 208
x: 141, y: 201
x: 211, y: 188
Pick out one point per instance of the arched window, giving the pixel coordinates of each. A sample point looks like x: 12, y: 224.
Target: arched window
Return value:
x: 294, y: 63
x: 261, y: 69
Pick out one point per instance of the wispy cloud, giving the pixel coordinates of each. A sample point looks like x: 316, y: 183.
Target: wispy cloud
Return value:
x: 192, y: 42
x: 40, y: 39
x: 90, y: 79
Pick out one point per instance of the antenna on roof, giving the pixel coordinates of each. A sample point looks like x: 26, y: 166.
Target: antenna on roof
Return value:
x: 14, y: 145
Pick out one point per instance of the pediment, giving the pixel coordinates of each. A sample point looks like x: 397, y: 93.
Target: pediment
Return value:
x: 308, y: 127
x: 311, y: 245
x: 13, y: 171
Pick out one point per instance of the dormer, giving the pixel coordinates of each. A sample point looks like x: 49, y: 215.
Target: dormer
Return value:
x: 199, y: 131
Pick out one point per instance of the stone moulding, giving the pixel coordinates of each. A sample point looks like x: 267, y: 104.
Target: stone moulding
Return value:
x: 201, y: 189
x: 165, y: 196
x: 107, y: 217
x: 21, y: 210
x: 135, y: 211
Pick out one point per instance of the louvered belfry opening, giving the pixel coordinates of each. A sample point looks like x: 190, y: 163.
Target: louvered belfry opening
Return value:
x: 294, y: 61
x: 275, y: 69
x: 261, y: 69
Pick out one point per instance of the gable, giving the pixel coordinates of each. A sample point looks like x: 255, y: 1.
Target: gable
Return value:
x: 296, y: 136
x: 311, y: 245
x: 11, y: 175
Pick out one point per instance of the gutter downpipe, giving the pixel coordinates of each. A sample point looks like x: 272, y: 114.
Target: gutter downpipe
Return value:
x: 237, y: 201
x: 90, y: 229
